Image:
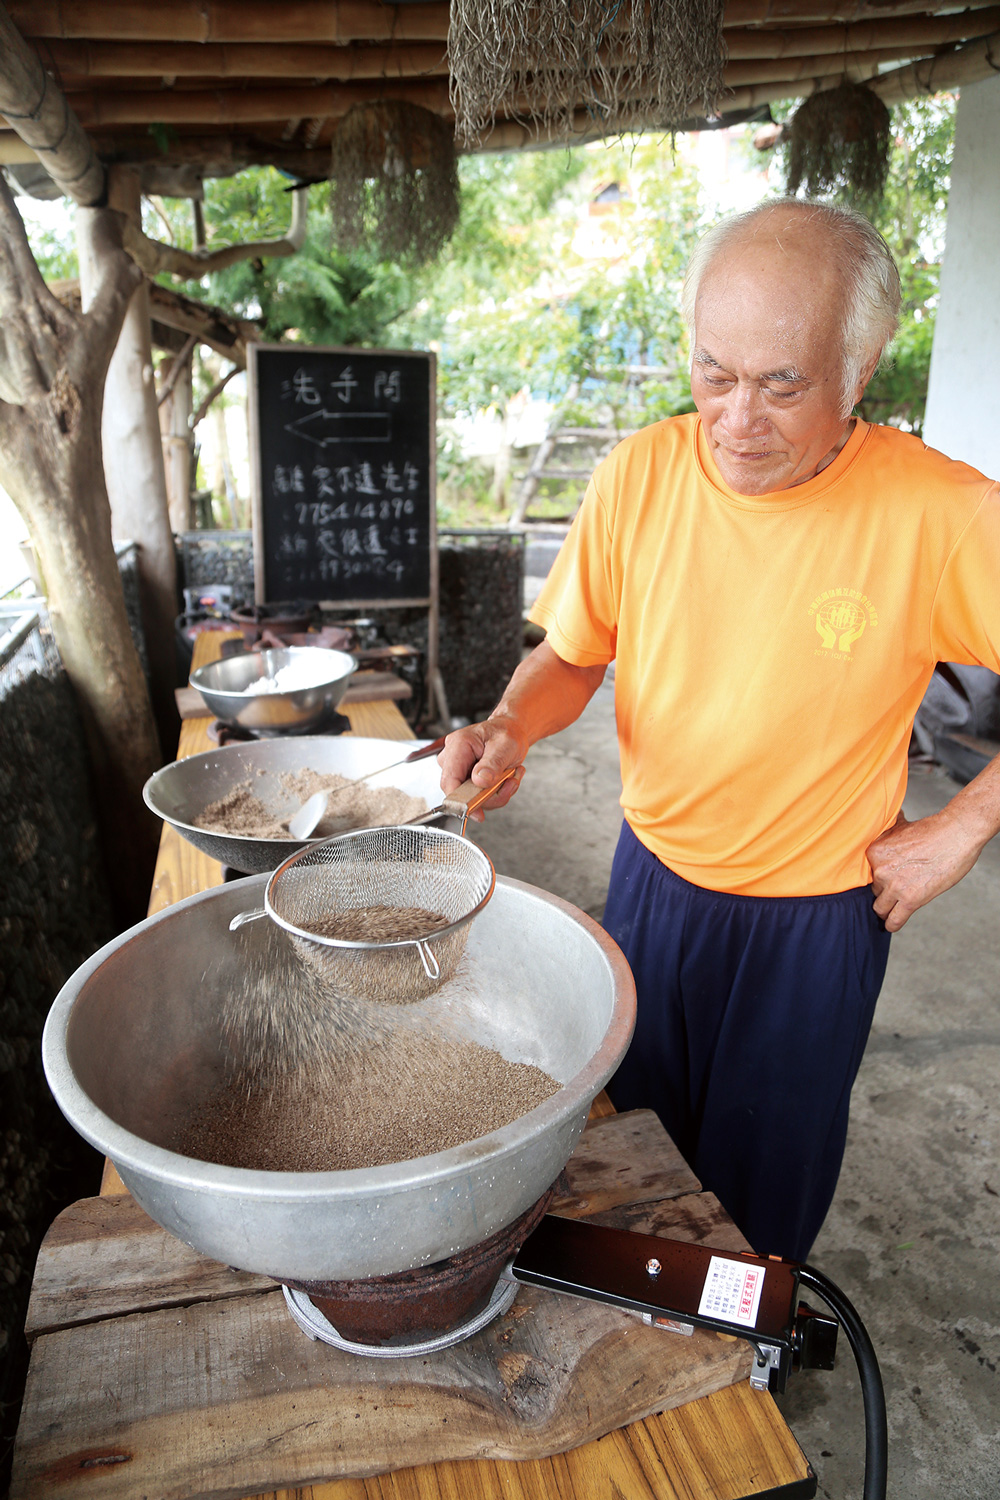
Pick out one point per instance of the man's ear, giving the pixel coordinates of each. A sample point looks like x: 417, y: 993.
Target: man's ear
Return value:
x: 866, y: 375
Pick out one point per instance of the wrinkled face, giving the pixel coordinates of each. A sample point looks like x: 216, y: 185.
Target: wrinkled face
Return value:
x: 767, y: 365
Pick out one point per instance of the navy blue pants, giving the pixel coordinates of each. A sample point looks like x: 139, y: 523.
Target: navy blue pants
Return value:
x: 753, y: 1014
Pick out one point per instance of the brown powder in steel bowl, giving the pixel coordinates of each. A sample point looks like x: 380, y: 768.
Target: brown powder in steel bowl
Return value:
x: 242, y: 811
x: 409, y: 1094
x: 352, y: 806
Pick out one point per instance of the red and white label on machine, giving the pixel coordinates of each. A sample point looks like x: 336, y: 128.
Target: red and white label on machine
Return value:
x: 732, y: 1291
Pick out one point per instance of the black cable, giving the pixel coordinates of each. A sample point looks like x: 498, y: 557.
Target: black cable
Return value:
x: 876, y: 1430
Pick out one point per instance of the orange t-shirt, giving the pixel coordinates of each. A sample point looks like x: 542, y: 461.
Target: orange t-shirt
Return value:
x: 771, y: 651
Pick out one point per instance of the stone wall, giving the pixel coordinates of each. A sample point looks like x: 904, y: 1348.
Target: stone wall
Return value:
x: 54, y: 912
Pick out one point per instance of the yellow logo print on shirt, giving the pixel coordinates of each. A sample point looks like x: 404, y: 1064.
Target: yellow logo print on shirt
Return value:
x: 841, y: 617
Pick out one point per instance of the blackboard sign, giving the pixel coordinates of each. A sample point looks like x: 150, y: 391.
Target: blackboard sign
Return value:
x: 342, y: 445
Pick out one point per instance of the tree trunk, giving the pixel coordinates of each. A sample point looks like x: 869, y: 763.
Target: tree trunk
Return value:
x: 137, y: 490
x: 176, y: 436
x: 133, y: 471
x: 52, y: 369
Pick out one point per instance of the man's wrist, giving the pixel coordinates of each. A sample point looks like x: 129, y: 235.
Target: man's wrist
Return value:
x: 976, y: 819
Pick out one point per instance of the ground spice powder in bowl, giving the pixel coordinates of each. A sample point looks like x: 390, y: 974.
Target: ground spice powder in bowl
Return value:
x: 242, y: 811
x: 319, y: 1080
x: 409, y: 1095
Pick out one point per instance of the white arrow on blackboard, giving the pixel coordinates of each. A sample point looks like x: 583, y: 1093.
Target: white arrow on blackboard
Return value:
x: 326, y: 427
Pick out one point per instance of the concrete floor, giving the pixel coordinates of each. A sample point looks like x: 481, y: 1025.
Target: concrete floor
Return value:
x: 913, y: 1237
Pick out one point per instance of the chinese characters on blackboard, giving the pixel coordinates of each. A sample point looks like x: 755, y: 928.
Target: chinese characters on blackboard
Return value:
x: 345, y: 477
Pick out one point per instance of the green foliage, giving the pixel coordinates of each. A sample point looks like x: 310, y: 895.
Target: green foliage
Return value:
x: 911, y: 215
x: 49, y: 226
x: 320, y: 295
x: 514, y: 307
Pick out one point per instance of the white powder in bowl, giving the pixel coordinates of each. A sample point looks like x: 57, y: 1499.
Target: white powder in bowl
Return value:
x: 294, y: 676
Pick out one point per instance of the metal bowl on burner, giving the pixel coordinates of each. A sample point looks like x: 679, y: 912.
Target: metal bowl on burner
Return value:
x: 133, y: 1044
x: 227, y: 688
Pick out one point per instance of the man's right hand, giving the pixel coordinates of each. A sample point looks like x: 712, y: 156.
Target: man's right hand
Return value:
x: 481, y: 753
x: 543, y: 696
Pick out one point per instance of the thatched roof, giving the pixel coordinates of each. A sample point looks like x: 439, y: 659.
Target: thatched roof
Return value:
x: 188, y: 88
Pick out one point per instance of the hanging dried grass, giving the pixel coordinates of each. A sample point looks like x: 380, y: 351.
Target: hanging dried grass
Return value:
x: 629, y: 63
x: 394, y: 181
x: 839, y: 142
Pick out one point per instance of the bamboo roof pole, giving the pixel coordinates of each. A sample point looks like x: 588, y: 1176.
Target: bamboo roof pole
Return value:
x: 217, y: 60
x: 239, y: 106
x: 233, y: 20
x: 791, y: 69
x: 36, y: 109
x: 950, y: 70
x: 263, y: 105
x: 99, y: 59
x: 920, y: 32
x: 780, y: 13
x: 343, y: 21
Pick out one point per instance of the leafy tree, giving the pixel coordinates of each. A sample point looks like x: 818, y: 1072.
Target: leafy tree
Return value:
x: 320, y: 295
x: 912, y: 218
x: 515, y: 309
x: 911, y: 215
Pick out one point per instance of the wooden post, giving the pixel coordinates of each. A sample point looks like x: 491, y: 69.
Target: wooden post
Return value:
x: 175, y: 435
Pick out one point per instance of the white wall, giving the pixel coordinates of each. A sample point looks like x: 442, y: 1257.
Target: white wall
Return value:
x: 963, y: 397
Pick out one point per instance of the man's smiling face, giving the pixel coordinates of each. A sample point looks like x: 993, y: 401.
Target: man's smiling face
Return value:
x: 767, y: 367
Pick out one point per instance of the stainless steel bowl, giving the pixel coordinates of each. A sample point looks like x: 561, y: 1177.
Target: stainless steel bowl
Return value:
x: 180, y: 792
x: 132, y: 1044
x: 223, y: 685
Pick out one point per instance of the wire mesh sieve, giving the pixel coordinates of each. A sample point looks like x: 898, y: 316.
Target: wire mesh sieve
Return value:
x: 382, y: 912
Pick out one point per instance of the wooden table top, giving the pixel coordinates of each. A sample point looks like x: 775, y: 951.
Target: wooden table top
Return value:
x: 731, y: 1445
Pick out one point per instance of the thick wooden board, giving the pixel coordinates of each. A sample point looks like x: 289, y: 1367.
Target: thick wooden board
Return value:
x: 105, y: 1256
x: 218, y: 1398
x: 378, y: 721
x: 731, y: 1445
x: 697, y: 1217
x: 628, y: 1158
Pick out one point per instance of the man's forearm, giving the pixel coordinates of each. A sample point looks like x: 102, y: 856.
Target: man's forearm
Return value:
x: 546, y: 694
x: 977, y: 805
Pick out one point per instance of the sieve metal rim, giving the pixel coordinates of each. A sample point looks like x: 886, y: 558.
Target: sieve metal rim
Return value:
x: 308, y: 856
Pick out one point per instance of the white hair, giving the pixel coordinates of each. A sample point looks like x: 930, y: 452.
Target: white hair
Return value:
x: 871, y: 281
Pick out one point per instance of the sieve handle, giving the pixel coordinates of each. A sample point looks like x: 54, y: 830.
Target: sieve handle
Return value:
x: 431, y: 966
x: 467, y: 797
x: 242, y: 917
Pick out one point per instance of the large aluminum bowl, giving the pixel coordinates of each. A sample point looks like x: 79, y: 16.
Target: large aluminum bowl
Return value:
x: 223, y: 685
x: 180, y: 792
x: 132, y: 1044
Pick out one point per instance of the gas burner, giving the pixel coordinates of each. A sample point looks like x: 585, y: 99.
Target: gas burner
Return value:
x: 221, y: 733
x: 428, y: 1307
x: 312, y: 1322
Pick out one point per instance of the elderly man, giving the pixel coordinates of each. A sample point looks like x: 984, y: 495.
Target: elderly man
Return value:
x: 775, y: 581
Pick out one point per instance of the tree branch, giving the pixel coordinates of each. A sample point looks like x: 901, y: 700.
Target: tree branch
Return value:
x: 117, y: 277
x: 217, y: 389
x: 155, y: 257
x: 176, y: 366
